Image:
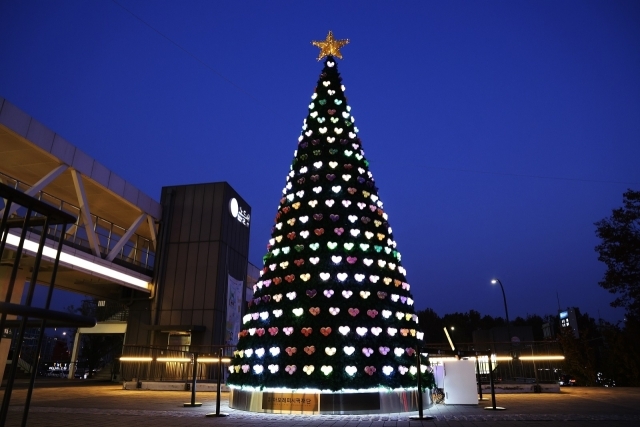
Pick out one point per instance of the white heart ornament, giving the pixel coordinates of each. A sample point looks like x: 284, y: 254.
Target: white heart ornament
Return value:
x: 349, y: 350
x: 329, y: 202
x: 347, y: 294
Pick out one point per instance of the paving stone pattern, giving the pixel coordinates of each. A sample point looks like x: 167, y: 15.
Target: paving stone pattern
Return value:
x: 99, y: 404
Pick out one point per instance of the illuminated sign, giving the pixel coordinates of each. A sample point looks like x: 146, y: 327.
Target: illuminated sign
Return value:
x: 307, y: 402
x: 564, y: 319
x: 238, y: 213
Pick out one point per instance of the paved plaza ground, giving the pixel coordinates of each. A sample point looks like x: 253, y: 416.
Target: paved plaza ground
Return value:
x: 82, y: 403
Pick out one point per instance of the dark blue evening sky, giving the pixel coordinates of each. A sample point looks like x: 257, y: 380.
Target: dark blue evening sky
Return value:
x: 498, y: 131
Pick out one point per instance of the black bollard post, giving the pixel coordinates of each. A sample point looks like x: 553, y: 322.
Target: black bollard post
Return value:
x: 493, y: 391
x: 193, y: 403
x: 218, y: 390
x: 421, y: 415
x: 479, y: 378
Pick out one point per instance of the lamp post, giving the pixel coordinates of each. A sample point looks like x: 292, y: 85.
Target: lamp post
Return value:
x: 506, y: 311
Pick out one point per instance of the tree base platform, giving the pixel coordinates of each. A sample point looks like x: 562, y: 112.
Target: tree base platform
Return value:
x: 317, y: 403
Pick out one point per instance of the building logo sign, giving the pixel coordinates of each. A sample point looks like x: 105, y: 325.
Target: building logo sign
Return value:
x: 238, y: 213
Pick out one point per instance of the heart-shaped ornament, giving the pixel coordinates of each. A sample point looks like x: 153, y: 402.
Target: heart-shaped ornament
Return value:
x: 330, y: 351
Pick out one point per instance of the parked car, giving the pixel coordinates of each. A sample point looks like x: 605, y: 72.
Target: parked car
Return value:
x: 566, y: 380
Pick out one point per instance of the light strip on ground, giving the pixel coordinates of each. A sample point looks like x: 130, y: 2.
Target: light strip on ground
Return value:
x: 79, y: 262
x: 135, y: 359
x: 173, y: 359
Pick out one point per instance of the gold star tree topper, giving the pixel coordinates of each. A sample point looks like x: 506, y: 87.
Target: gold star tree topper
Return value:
x: 330, y: 46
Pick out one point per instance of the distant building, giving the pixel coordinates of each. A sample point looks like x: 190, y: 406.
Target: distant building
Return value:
x: 569, y: 319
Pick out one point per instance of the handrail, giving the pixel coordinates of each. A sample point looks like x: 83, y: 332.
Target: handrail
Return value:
x: 137, y: 251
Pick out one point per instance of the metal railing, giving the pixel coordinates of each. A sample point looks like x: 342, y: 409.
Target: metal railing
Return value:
x: 104, y: 310
x: 531, y: 364
x: 141, y: 363
x: 137, y: 251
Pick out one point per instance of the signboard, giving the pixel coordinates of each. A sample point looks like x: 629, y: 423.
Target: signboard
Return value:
x: 234, y: 310
x: 236, y: 211
x: 290, y: 402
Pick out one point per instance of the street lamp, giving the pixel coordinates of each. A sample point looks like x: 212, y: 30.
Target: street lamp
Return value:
x: 506, y: 311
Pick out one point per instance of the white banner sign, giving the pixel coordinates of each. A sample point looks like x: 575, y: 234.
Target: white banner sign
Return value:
x: 234, y: 310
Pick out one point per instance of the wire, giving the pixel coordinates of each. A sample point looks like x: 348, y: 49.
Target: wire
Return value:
x: 219, y: 74
x: 534, y: 176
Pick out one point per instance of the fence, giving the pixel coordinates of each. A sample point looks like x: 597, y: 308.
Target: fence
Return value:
x: 525, y: 362
x: 139, y: 363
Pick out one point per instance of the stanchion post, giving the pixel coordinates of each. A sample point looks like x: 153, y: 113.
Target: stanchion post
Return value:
x: 421, y: 415
x: 218, y: 389
x: 493, y: 391
x: 193, y: 403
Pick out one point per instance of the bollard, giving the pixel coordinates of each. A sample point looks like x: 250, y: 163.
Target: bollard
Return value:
x: 193, y: 403
x: 421, y: 415
x: 493, y: 391
x: 218, y: 397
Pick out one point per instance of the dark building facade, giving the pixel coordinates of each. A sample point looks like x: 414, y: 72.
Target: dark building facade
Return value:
x: 201, y: 270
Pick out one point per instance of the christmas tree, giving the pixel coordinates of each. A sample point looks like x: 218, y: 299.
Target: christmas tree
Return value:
x: 332, y: 309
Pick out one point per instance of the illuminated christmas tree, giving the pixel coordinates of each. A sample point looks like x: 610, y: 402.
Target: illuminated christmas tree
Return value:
x: 332, y: 309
